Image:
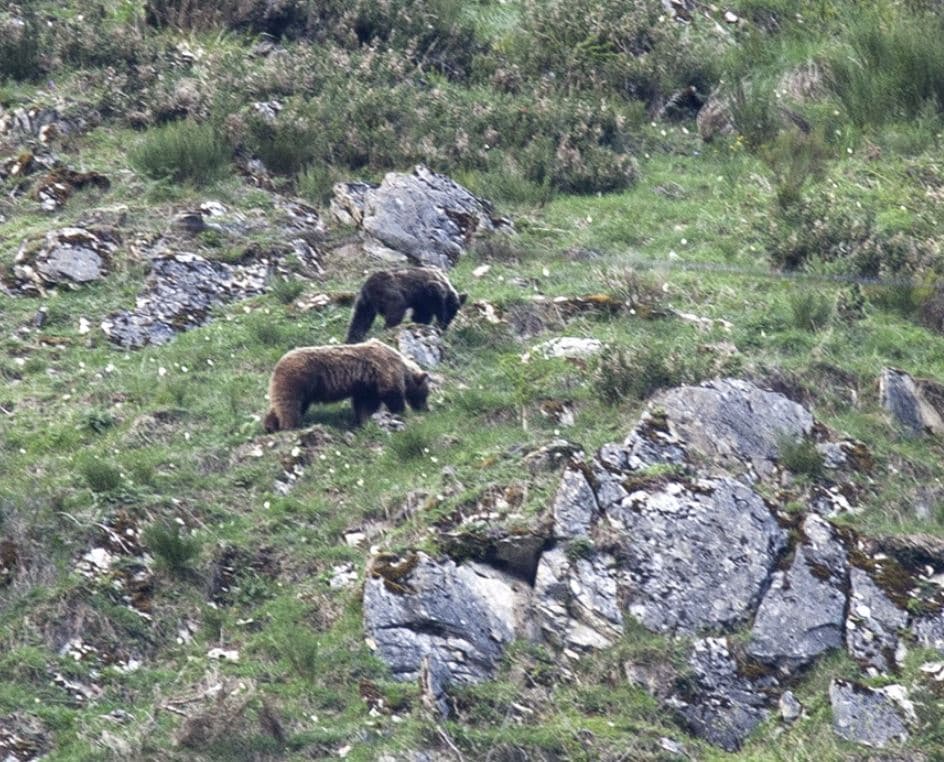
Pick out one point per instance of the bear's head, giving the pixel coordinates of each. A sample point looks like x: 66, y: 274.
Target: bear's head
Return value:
x: 454, y: 301
x: 417, y: 389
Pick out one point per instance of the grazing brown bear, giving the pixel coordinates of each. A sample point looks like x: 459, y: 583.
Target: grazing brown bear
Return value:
x: 425, y: 290
x: 370, y: 373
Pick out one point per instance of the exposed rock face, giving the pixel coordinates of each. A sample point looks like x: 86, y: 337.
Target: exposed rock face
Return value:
x: 871, y: 717
x: 733, y: 422
x: 696, y: 558
x: 422, y: 344
x: 720, y: 706
x: 455, y: 620
x: 68, y: 256
x: 569, y: 347
x: 802, y: 614
x: 666, y: 529
x: 873, y: 623
x: 423, y: 215
x: 914, y: 404
x: 180, y: 291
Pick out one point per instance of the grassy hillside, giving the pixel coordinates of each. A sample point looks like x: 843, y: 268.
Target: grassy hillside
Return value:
x: 806, y: 238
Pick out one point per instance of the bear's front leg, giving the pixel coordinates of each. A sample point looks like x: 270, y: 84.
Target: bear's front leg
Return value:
x: 364, y: 408
x: 395, y: 402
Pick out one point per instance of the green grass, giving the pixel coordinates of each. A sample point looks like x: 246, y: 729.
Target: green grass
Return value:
x: 182, y: 152
x: 701, y: 230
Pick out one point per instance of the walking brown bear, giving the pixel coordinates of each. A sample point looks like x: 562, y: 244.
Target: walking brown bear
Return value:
x: 370, y: 374
x: 425, y: 290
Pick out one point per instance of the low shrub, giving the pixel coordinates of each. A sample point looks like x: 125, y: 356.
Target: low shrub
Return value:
x: 182, y: 151
x: 99, y: 475
x: 20, y: 46
x: 286, y: 290
x: 175, y: 551
x: 810, y: 310
x: 893, y: 65
x: 800, y: 456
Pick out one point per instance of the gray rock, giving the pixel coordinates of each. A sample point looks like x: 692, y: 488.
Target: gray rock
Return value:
x: 180, y: 292
x: 423, y: 215
x: 871, y: 717
x: 695, y: 557
x: 733, y: 423
x: 929, y: 631
x: 70, y: 256
x: 719, y: 704
x: 422, y: 344
x: 802, y: 613
x: 568, y: 347
x: 575, y: 506
x: 917, y: 406
x: 347, y: 202
x: 460, y: 617
x: 790, y: 707
x: 873, y: 623
x: 652, y: 443
x: 575, y: 601
x: 551, y: 456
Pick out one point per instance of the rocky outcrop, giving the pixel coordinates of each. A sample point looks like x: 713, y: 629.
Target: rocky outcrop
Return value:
x: 871, y: 717
x: 732, y: 423
x: 916, y: 405
x: 719, y: 704
x: 447, y: 621
x: 873, y: 624
x: 668, y: 530
x: 423, y: 215
x: 68, y: 256
x: 422, y: 344
x: 803, y: 612
x: 178, y: 296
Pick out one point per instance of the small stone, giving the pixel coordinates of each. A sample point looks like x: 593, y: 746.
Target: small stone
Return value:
x: 790, y: 707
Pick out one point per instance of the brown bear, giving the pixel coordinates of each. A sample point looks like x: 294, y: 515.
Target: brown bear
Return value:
x: 370, y: 373
x: 425, y: 290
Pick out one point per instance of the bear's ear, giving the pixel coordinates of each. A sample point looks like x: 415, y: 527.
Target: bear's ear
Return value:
x: 421, y: 377
x: 462, y: 298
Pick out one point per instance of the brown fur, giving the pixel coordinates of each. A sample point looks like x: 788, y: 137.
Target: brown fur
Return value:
x: 370, y: 374
x: 424, y: 290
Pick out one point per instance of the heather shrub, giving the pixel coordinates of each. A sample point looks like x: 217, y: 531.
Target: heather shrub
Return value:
x: 182, y: 151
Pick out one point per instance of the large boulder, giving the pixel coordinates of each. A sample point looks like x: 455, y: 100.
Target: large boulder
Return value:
x: 69, y: 257
x: 802, y: 614
x: 719, y: 704
x: 873, y: 717
x: 449, y: 622
x: 916, y: 405
x: 732, y: 423
x: 425, y: 216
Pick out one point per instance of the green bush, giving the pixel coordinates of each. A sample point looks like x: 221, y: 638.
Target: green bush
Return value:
x: 800, y: 456
x: 182, y: 152
x: 794, y: 158
x: 173, y: 550
x: 286, y: 290
x: 20, y: 46
x: 100, y: 475
x: 610, y: 46
x: 844, y: 238
x: 410, y: 444
x: 893, y: 65
x: 811, y: 311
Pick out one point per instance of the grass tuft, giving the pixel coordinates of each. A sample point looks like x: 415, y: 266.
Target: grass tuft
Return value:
x: 182, y: 152
x: 174, y: 551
